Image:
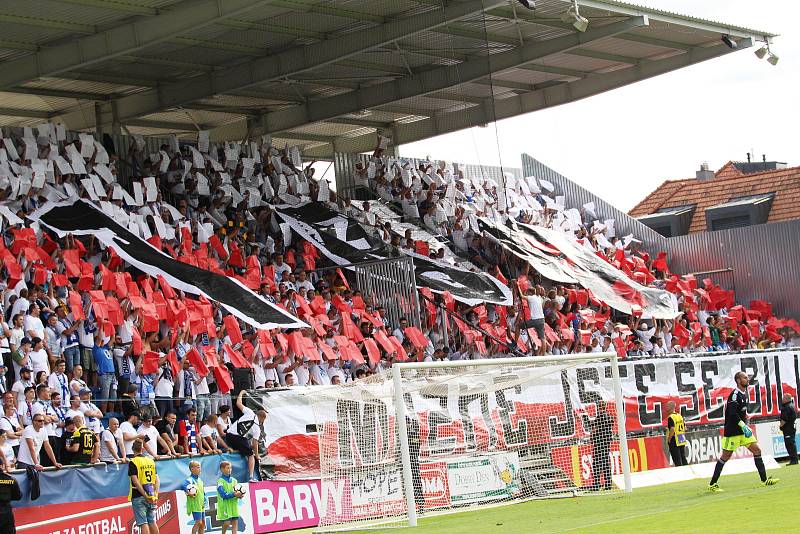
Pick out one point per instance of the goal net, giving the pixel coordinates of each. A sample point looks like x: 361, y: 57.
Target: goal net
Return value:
x: 426, y: 438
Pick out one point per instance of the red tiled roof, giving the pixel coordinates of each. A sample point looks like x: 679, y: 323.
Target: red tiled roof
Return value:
x: 728, y: 183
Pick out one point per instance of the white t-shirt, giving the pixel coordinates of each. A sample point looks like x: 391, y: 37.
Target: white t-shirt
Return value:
x: 34, y: 324
x: 39, y: 361
x: 10, y: 425
x: 106, y: 448
x: 37, y: 437
x: 246, y: 426
x: 535, y: 306
x: 165, y: 385
x: 92, y: 423
x: 76, y: 385
x: 8, y: 450
x: 127, y: 428
x: 151, y: 440
x: 209, y: 432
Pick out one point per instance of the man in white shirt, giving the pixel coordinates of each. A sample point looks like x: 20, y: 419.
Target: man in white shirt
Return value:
x: 38, y: 357
x: 128, y: 431
x: 22, y: 384
x: 33, y: 323
x: 212, y: 441
x: 112, y: 448
x: 34, y: 437
x: 303, y: 282
x: 59, y: 382
x: 91, y: 412
x: 644, y: 333
x: 149, y: 436
x: 244, y: 433
x: 281, y: 269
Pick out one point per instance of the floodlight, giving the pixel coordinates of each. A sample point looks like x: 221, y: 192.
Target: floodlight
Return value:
x: 530, y: 4
x: 573, y: 16
x: 761, y: 52
x: 729, y: 42
x: 773, y: 59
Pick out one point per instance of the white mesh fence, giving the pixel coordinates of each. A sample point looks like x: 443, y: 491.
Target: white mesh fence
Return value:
x: 476, y: 434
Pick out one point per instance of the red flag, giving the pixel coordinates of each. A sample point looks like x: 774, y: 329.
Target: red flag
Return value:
x: 76, y: 306
x: 373, y: 352
x: 232, y: 327
x: 344, y: 280
x: 173, y: 363
x: 223, y: 378
x: 416, y: 337
x: 236, y: 359
x: 381, y: 337
x: 197, y: 362
x: 150, y: 362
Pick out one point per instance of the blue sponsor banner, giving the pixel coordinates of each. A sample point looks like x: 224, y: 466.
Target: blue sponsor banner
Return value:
x: 76, y: 484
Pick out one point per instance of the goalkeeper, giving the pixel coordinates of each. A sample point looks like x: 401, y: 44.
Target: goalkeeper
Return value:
x: 195, y: 498
x: 738, y: 434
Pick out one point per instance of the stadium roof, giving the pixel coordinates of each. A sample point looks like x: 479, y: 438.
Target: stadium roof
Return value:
x: 328, y: 74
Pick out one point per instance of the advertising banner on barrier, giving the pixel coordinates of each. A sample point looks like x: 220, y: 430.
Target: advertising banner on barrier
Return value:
x: 770, y: 439
x: 212, y: 525
x: 104, y: 516
x: 705, y: 445
x: 553, y: 407
x: 576, y: 461
x: 484, y: 478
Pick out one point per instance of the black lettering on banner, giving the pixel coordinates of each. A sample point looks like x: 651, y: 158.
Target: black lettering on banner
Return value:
x: 750, y: 366
x: 715, y: 406
x: 514, y: 436
x: 776, y: 363
x: 369, y: 422
x: 684, y: 367
x: 437, y: 418
x: 470, y: 442
x: 767, y: 384
x: 623, y: 371
x: 797, y: 379
x: 646, y: 418
x: 592, y: 375
x: 565, y: 428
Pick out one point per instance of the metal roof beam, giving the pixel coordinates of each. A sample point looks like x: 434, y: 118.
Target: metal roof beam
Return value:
x: 437, y: 79
x: 364, y: 123
x: 15, y: 112
x: 41, y: 91
x: 544, y: 98
x: 613, y: 58
x: 293, y: 61
x: 110, y: 77
x: 165, y: 125
x: 120, y: 40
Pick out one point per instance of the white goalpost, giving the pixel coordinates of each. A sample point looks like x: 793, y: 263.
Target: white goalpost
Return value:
x: 447, y: 436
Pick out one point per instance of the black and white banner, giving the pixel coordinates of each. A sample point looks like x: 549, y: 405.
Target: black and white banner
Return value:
x: 344, y: 241
x: 79, y: 217
x: 560, y: 259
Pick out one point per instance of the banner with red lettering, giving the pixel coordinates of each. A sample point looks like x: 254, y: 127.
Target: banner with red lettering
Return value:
x: 103, y: 516
x: 516, y: 409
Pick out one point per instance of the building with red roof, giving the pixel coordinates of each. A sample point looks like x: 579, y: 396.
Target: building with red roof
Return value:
x: 737, y: 195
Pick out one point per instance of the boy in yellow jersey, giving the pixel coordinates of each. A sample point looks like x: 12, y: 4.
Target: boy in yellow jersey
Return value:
x: 144, y: 487
x: 738, y: 434
x: 228, y: 499
x: 676, y: 436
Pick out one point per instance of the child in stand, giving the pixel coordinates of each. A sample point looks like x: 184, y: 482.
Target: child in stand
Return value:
x: 228, y: 494
x: 195, y: 498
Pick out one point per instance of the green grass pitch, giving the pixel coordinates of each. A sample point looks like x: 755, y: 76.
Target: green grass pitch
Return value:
x: 679, y: 508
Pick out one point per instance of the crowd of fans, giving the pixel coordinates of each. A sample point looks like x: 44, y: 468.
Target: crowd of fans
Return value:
x: 78, y: 323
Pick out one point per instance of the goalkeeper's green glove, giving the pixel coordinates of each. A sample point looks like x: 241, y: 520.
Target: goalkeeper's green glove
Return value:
x: 745, y: 430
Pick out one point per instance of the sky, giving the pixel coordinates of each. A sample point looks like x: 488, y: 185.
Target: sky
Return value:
x: 623, y: 144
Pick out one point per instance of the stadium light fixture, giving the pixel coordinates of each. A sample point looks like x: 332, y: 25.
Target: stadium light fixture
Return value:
x: 729, y: 42
x: 773, y: 59
x: 573, y: 16
x: 762, y: 52
x: 530, y: 4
